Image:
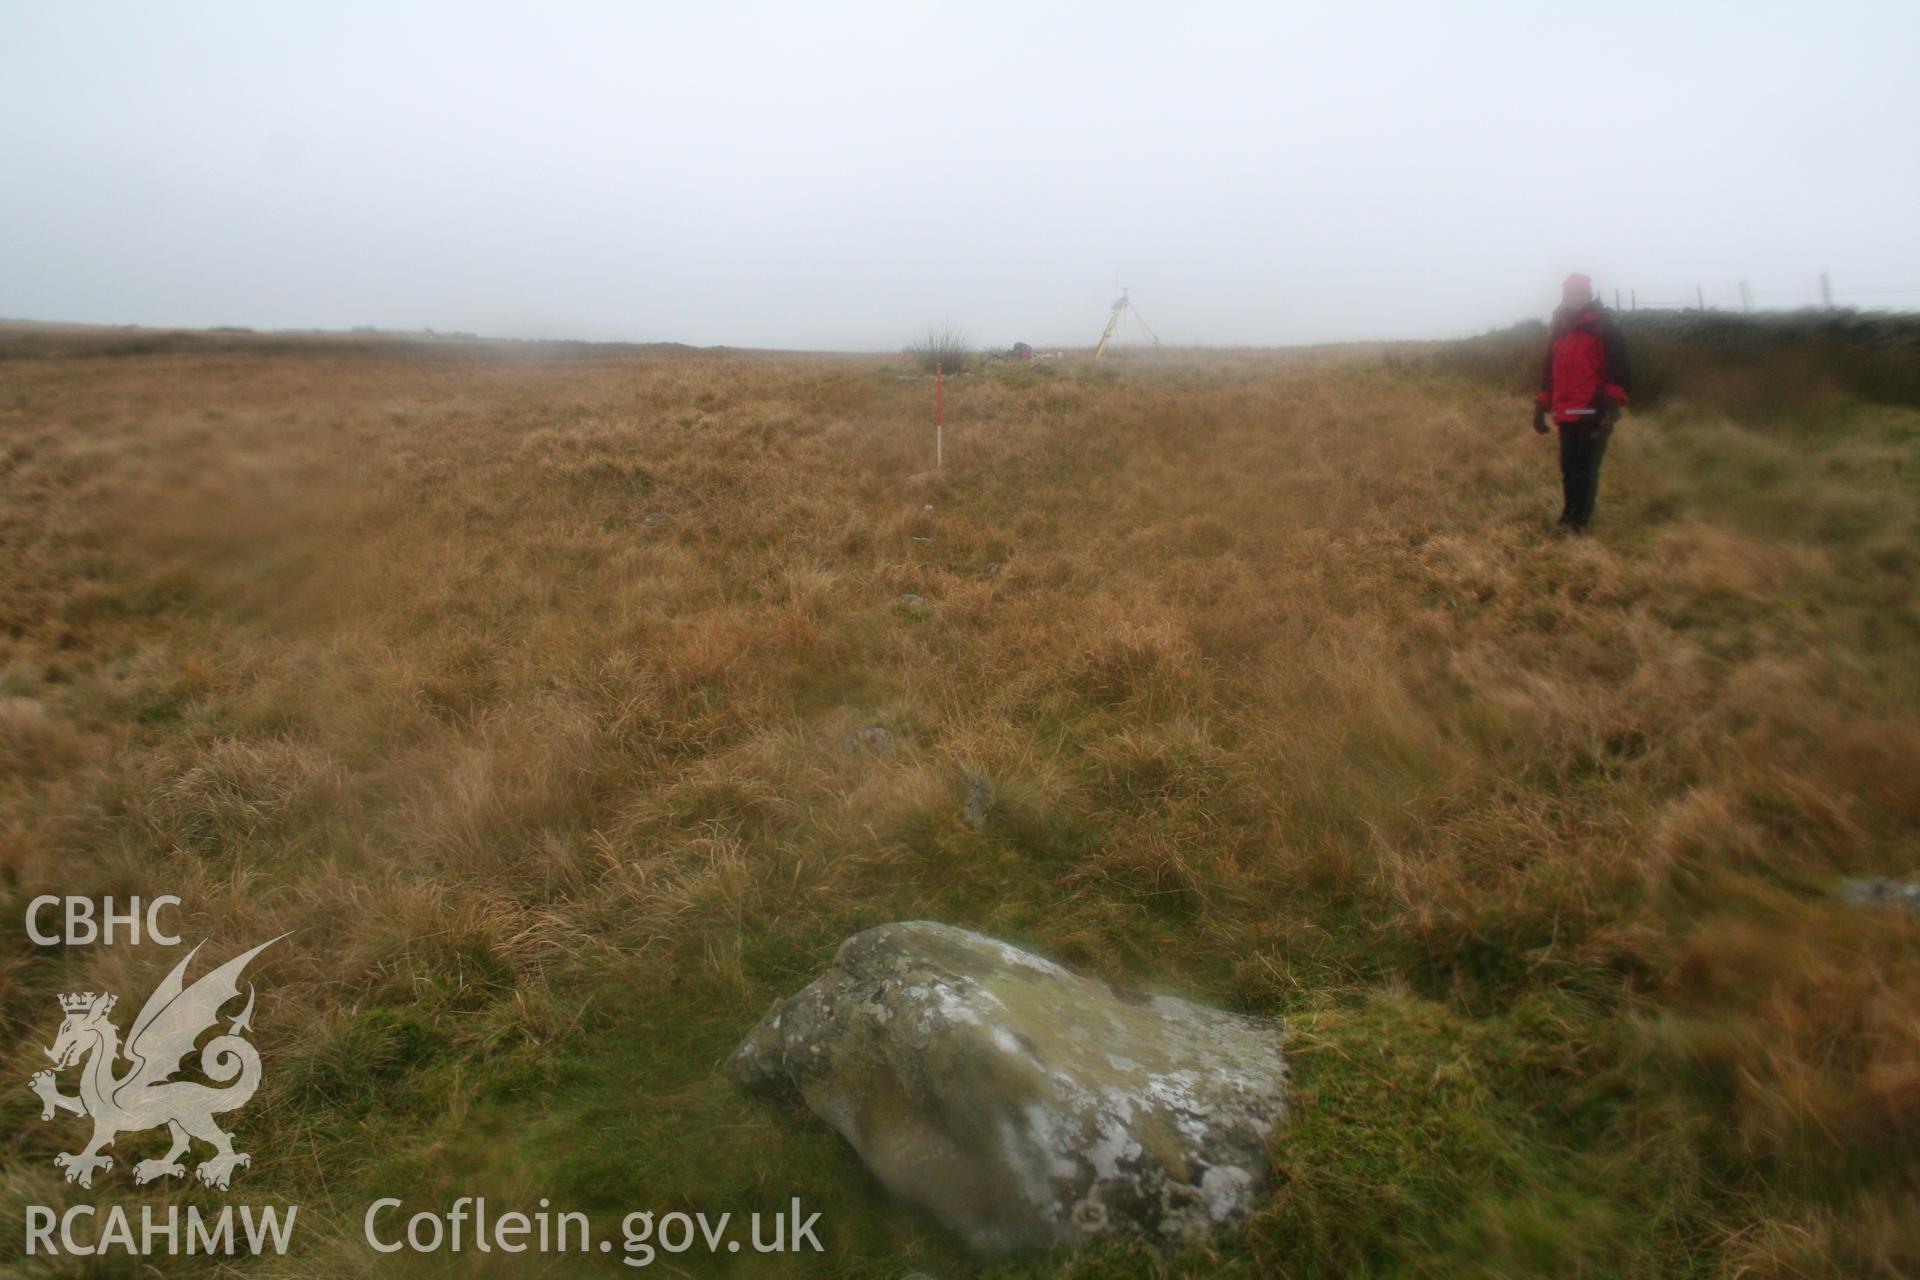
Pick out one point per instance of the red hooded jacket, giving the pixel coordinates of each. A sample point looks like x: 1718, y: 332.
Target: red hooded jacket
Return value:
x: 1586, y: 368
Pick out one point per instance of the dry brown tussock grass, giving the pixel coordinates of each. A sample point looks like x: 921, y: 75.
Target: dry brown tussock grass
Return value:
x: 1280, y: 674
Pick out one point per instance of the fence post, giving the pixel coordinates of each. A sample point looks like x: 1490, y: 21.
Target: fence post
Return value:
x: 1826, y: 291
x: 939, y: 415
x: 1700, y: 295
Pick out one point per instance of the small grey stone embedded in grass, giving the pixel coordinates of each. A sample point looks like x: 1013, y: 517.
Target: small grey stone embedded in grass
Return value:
x: 993, y: 570
x: 1025, y: 1105
x: 1879, y: 891
x: 871, y: 737
x: 979, y: 803
x: 918, y: 538
x: 657, y: 517
x: 908, y: 600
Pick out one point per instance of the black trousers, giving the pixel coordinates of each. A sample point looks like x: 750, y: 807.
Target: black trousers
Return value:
x: 1582, y: 446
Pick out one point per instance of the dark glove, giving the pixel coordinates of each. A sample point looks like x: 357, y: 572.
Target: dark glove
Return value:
x: 1540, y: 421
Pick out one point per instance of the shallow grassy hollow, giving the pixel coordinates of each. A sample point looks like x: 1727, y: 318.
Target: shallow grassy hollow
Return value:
x: 1291, y: 700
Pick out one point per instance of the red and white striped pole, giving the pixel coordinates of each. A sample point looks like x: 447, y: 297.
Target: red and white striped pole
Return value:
x: 939, y: 413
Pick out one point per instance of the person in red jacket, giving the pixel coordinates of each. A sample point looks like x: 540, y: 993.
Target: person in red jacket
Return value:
x: 1583, y: 388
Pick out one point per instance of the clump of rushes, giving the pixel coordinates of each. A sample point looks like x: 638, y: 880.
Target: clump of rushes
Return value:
x: 945, y: 346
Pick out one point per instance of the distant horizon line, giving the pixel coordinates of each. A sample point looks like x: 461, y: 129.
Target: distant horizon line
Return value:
x: 466, y: 335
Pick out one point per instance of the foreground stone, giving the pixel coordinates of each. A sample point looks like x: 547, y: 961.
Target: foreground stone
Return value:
x: 1024, y: 1105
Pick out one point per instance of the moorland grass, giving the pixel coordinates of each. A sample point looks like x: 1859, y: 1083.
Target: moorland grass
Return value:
x: 1291, y: 701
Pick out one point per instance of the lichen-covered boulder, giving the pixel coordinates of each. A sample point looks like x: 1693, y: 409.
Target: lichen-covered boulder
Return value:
x: 1024, y: 1105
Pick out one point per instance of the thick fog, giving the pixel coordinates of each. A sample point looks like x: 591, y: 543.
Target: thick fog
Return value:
x: 838, y: 176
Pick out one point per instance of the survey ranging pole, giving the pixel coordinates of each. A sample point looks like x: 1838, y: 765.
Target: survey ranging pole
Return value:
x: 939, y: 413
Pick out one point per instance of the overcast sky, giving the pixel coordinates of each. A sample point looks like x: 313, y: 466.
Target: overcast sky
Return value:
x: 837, y: 176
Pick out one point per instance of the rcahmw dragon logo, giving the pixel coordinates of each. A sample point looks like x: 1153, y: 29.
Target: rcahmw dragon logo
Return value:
x: 145, y: 1096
